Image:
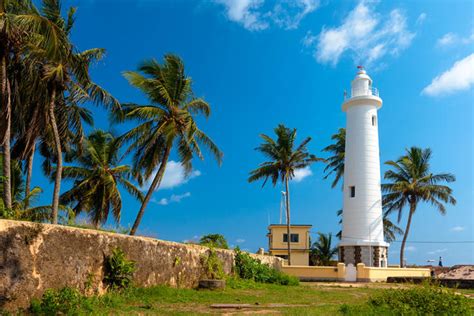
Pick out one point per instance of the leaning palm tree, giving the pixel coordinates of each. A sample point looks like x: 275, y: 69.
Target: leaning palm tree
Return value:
x: 97, y: 179
x: 168, y: 122
x: 285, y: 158
x: 335, y: 163
x: 322, y: 250
x: 411, y: 182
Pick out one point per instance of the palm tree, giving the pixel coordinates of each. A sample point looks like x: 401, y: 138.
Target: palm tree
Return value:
x: 285, y: 159
x: 97, y: 179
x: 66, y: 74
x: 322, y: 250
x: 168, y: 121
x: 20, y: 27
x: 335, y: 163
x: 412, y: 182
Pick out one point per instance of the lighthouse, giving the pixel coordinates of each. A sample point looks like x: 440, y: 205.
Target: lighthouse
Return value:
x: 362, y: 239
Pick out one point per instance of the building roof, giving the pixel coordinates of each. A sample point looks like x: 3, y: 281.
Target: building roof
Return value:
x: 291, y: 225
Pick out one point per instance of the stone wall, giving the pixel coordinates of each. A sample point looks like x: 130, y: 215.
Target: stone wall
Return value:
x: 35, y: 257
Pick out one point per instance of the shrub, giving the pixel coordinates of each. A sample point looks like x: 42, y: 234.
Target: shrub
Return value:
x: 420, y: 300
x: 212, y: 266
x: 249, y: 268
x: 118, y: 270
x: 53, y: 302
x: 214, y: 241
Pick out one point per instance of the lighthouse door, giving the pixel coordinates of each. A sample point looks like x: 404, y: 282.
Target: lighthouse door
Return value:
x: 351, y: 273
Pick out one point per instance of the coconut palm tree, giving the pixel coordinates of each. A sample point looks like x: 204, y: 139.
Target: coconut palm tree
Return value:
x: 21, y: 27
x: 412, y: 182
x: 66, y: 75
x: 284, y: 159
x: 97, y: 179
x: 168, y: 122
x: 335, y: 163
x: 322, y: 250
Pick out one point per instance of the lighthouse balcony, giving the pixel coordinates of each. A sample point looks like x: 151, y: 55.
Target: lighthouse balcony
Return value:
x: 358, y: 92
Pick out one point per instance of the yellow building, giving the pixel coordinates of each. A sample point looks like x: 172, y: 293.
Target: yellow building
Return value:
x: 299, y: 239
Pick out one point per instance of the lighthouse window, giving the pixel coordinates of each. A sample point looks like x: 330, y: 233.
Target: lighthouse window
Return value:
x: 352, y: 191
x: 374, y: 120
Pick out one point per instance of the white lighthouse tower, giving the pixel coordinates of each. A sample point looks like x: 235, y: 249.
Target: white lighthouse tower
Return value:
x: 362, y: 238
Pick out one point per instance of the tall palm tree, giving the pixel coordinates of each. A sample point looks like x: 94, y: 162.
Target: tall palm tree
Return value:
x: 66, y: 74
x: 322, y: 250
x: 335, y: 163
x: 21, y: 27
x: 285, y: 158
x: 412, y: 182
x: 97, y: 179
x: 167, y: 122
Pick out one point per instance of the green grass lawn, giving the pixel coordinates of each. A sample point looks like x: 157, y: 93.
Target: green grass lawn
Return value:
x: 304, y: 299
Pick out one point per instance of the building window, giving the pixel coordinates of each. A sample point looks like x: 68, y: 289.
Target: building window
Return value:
x: 374, y: 120
x: 352, y: 191
x: 294, y: 238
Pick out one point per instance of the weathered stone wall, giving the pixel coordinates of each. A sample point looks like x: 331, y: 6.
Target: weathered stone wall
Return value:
x: 35, y: 257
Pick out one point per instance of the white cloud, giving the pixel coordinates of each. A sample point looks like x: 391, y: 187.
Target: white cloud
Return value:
x: 240, y: 240
x: 458, y: 228
x: 300, y: 174
x: 410, y: 248
x: 288, y: 14
x: 255, y: 16
x: 459, y: 77
x: 365, y: 34
x: 437, y: 251
x: 174, y: 176
x: 451, y: 39
x: 174, y: 198
x: 421, y: 19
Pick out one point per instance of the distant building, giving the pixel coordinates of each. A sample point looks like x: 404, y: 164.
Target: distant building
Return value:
x: 299, y: 239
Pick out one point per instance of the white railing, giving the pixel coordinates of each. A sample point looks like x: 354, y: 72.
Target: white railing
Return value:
x: 361, y: 92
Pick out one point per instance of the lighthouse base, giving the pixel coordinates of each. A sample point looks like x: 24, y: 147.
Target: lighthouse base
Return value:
x: 371, y: 256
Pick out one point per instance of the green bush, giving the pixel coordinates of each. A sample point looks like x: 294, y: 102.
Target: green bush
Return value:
x: 212, y: 266
x: 118, y: 270
x: 249, y: 268
x: 64, y: 301
x: 420, y: 300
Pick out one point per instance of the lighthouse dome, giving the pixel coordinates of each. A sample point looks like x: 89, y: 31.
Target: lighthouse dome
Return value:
x: 362, y: 91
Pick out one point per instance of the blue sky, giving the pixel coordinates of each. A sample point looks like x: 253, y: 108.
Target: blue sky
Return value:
x: 260, y: 63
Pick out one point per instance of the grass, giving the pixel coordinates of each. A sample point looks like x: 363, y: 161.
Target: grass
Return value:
x: 305, y: 299
x: 161, y: 300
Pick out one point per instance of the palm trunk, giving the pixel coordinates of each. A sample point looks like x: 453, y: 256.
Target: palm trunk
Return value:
x: 29, y: 174
x: 155, y: 184
x: 288, y: 230
x: 59, y: 153
x: 7, y: 187
x: 407, y: 230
